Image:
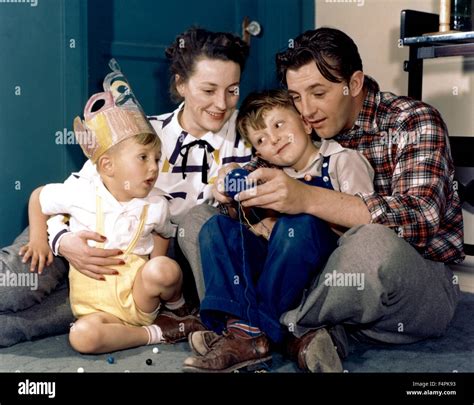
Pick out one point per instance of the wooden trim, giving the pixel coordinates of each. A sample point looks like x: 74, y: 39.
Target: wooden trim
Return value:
x: 439, y: 51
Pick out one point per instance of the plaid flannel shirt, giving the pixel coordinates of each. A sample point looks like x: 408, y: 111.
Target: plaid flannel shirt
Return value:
x: 406, y: 142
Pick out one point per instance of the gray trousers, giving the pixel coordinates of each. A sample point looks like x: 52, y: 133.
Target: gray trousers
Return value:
x: 188, y: 240
x: 375, y: 284
x: 30, y: 310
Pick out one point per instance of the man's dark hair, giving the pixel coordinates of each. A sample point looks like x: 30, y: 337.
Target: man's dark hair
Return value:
x: 335, y: 54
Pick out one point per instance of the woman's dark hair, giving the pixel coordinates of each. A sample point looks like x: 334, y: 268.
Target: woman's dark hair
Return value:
x: 196, y: 43
x: 335, y: 54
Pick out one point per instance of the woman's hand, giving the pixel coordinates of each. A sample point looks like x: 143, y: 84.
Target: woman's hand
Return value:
x: 39, y: 253
x: 218, y: 188
x: 276, y: 191
x: 90, y: 261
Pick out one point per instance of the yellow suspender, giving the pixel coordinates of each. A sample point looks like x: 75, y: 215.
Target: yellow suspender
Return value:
x: 99, y: 225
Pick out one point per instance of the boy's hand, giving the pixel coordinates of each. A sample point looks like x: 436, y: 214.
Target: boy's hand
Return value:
x: 39, y: 253
x: 218, y: 188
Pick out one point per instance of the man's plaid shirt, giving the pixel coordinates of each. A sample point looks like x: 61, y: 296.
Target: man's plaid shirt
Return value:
x: 406, y: 141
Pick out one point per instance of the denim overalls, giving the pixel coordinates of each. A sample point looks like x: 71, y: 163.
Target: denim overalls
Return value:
x: 259, y: 283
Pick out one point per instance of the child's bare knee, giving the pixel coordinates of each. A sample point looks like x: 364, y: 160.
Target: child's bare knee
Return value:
x: 162, y: 271
x: 84, y: 336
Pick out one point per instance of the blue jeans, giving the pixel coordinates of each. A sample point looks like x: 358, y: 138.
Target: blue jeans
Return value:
x: 259, y: 283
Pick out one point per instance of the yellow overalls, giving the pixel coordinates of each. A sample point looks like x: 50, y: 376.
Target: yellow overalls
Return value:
x: 114, y: 295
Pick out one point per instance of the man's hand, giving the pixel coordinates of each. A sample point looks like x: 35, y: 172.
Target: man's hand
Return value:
x: 218, y: 188
x: 39, y: 253
x: 90, y: 261
x: 278, y: 192
x: 290, y: 196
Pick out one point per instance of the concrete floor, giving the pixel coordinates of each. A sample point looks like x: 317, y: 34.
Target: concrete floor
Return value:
x: 450, y: 353
x: 53, y: 354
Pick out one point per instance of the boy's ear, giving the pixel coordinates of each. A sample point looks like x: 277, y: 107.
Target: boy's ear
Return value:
x: 356, y: 83
x: 105, y: 165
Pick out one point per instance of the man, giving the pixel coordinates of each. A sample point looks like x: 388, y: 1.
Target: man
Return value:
x: 387, y: 281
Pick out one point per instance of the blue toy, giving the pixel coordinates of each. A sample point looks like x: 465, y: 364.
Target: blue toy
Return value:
x: 110, y: 360
x: 235, y: 182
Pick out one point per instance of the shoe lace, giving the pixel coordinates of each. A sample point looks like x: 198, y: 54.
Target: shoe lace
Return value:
x: 216, y: 342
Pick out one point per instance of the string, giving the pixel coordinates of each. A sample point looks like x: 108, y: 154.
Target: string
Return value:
x: 267, y: 236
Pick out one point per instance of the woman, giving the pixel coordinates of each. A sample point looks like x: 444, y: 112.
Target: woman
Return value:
x: 198, y: 139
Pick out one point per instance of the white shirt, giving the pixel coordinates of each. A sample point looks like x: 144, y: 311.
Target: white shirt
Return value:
x: 187, y: 192
x: 349, y: 171
x: 77, y: 198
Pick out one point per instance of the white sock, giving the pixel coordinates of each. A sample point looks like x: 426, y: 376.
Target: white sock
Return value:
x: 155, y: 334
x: 175, y: 304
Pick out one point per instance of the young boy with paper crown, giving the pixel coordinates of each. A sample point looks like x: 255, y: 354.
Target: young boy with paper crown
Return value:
x: 120, y: 202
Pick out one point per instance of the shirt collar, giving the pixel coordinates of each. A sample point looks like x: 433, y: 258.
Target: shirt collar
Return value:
x: 366, y: 119
x: 215, y: 139
x: 107, y: 196
x: 327, y: 147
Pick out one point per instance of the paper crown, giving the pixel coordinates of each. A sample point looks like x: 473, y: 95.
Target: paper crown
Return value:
x: 110, y: 117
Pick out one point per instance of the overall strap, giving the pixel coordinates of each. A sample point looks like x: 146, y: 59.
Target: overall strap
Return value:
x: 99, y: 218
x: 100, y: 224
x: 325, y: 172
x: 139, y: 230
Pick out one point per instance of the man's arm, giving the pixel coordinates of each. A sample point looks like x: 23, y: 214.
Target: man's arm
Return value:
x: 336, y: 207
x: 284, y: 194
x: 423, y: 205
x: 421, y: 202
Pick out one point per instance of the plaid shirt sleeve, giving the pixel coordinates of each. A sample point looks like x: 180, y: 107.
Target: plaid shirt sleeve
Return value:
x: 422, y: 179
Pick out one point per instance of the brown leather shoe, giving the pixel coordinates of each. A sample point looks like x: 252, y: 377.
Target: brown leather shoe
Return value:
x: 176, y: 329
x: 201, y: 341
x: 315, y: 352
x: 229, y: 353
